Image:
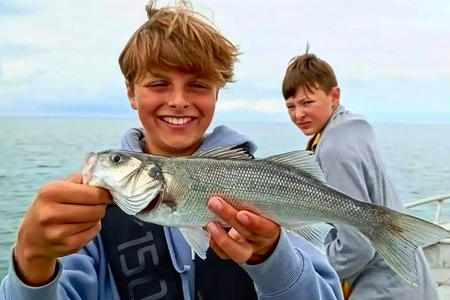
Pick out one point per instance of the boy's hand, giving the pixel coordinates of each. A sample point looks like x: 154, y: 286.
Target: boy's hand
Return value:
x: 63, y: 218
x: 251, y: 239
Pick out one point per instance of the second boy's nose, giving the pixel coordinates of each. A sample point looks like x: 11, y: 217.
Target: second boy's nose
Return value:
x: 299, y: 113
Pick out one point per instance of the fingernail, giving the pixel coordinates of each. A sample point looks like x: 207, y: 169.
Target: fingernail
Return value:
x: 243, y: 219
x: 215, y: 204
x: 212, y: 228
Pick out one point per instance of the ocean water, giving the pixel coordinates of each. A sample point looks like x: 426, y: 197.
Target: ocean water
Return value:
x: 36, y: 151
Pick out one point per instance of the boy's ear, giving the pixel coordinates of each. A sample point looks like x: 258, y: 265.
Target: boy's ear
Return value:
x: 335, y: 96
x: 130, y: 94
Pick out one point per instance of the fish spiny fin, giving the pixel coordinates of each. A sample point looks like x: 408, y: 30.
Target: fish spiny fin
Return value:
x: 224, y: 153
x: 300, y: 159
x: 198, y: 239
x: 315, y: 234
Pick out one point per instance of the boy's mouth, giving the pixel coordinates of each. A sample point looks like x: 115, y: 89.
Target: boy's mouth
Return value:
x: 177, y: 120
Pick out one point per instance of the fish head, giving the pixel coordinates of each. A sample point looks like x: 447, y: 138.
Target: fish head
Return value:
x: 133, y: 180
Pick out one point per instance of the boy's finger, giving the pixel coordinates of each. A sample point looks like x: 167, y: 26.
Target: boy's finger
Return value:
x: 258, y: 225
x: 64, y: 213
x: 69, y: 192
x: 228, y: 214
x: 218, y: 251
x: 239, y: 252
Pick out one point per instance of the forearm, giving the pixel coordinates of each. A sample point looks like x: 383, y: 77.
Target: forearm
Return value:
x: 290, y: 273
x: 13, y: 288
x: 77, y: 276
x: 34, y: 271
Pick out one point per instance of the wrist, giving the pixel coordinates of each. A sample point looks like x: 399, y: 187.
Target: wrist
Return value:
x: 33, y: 270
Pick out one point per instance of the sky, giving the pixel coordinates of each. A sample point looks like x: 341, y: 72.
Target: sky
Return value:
x: 391, y: 58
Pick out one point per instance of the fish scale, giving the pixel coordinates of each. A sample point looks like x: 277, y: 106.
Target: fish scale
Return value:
x: 247, y: 184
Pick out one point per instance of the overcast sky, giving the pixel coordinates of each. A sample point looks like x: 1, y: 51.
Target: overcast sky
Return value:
x: 392, y: 58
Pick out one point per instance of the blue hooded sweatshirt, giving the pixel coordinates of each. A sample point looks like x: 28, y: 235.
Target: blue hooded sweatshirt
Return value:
x: 295, y: 270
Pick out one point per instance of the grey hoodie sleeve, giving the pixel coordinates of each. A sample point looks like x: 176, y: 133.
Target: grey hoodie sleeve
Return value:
x: 346, y: 155
x: 295, y: 270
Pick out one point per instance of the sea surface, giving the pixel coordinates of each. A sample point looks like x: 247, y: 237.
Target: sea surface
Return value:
x: 35, y: 151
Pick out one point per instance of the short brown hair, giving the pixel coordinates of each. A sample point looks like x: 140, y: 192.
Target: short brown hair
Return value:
x: 178, y: 38
x: 308, y: 71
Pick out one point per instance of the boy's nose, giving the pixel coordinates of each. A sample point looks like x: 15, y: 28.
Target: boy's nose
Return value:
x: 299, y: 113
x: 178, y: 101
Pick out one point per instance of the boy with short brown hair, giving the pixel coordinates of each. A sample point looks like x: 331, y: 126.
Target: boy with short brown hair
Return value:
x: 345, y: 148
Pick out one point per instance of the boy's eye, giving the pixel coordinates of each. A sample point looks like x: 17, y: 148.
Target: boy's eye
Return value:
x: 157, y: 84
x: 199, y: 85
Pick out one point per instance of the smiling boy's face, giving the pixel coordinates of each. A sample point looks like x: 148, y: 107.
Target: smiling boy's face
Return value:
x: 175, y: 109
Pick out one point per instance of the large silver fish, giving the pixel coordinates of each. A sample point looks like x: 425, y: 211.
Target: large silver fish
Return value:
x: 288, y: 188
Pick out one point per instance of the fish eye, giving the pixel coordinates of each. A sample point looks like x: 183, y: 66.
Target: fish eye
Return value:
x: 116, y: 158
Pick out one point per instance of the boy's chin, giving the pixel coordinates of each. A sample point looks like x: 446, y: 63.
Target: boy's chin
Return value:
x: 308, y: 132
x: 183, y: 146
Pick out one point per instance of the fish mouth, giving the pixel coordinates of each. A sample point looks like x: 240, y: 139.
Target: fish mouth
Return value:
x: 152, y: 204
x: 90, y: 161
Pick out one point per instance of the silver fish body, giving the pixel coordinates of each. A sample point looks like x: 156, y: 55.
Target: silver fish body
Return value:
x: 286, y: 196
x: 287, y: 188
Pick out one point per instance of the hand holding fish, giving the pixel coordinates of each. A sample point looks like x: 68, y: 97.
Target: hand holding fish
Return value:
x: 251, y: 239
x: 63, y: 218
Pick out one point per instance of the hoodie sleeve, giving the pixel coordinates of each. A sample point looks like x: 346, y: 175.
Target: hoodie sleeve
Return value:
x: 346, y: 158
x: 293, y: 271
x: 78, y: 276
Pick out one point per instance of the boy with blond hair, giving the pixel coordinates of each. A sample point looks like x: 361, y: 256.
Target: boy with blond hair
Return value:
x: 73, y: 245
x: 345, y: 148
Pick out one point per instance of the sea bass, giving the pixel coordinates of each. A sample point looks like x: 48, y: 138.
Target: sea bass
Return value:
x: 288, y: 188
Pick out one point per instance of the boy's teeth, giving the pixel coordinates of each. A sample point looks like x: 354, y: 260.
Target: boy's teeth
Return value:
x: 176, y: 121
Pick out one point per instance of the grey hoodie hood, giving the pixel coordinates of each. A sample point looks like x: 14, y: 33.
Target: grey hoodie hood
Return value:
x: 221, y: 136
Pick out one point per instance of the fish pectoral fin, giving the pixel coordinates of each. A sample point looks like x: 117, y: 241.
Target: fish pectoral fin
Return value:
x: 224, y: 153
x: 197, y: 238
x: 301, y: 159
x: 178, y: 185
x: 315, y: 234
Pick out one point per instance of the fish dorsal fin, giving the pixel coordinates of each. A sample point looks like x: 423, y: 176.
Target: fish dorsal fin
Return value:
x: 300, y: 159
x: 224, y: 153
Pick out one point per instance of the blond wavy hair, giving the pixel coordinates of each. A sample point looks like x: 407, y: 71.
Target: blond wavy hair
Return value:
x: 177, y: 37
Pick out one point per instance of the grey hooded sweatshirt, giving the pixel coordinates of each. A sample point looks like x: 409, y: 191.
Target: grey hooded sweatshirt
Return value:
x: 349, y: 157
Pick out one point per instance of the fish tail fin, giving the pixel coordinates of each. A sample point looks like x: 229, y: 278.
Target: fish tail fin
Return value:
x: 398, y: 239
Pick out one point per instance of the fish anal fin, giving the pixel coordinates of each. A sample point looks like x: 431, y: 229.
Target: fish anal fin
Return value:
x: 315, y: 234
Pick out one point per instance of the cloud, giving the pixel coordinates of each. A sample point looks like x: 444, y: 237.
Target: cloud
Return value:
x: 389, y: 56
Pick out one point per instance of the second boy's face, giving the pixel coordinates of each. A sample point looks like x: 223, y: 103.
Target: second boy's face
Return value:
x: 175, y: 109
x: 311, y: 111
